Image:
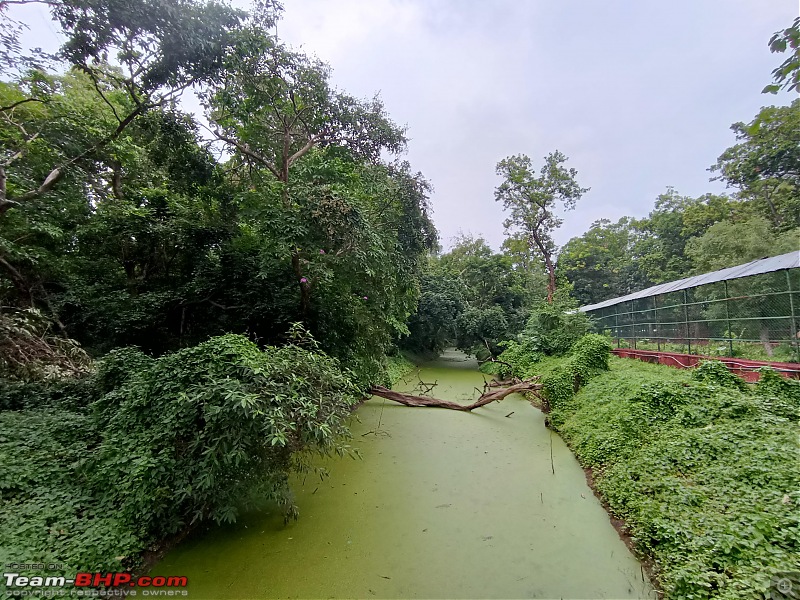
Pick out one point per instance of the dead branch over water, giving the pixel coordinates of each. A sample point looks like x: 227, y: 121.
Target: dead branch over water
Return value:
x: 493, y: 392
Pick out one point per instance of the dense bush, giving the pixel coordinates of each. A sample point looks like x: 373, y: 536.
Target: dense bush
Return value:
x: 588, y: 357
x: 191, y: 436
x: 521, y: 356
x: 61, y: 394
x: 48, y: 512
x: 30, y: 351
x: 554, y: 327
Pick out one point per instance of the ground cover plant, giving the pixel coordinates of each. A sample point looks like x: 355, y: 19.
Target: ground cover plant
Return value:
x: 701, y: 466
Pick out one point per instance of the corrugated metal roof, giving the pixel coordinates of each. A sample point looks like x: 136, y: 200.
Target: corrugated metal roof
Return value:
x: 790, y: 260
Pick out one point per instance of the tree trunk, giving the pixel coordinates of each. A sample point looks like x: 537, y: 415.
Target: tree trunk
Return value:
x: 551, y: 278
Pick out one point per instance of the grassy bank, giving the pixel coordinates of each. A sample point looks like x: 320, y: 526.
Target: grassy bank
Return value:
x: 702, y: 467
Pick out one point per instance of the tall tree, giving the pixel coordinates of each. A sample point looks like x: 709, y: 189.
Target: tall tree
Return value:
x: 765, y: 163
x: 274, y: 106
x: 533, y: 201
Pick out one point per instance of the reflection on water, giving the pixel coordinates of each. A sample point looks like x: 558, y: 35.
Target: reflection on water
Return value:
x: 443, y: 505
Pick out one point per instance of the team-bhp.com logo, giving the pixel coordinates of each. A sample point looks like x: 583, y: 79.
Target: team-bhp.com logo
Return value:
x: 94, y: 585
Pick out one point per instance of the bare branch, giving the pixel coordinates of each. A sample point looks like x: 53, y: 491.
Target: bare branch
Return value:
x: 299, y: 154
x: 247, y: 151
x: 18, y: 102
x: 57, y: 173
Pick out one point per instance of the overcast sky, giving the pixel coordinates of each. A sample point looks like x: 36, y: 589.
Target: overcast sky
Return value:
x: 640, y: 95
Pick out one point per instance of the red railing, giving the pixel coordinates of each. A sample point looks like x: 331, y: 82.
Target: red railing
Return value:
x: 745, y: 368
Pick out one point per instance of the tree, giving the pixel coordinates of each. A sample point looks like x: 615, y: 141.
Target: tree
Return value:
x: 441, y: 301
x: 660, y: 242
x: 765, y: 163
x: 728, y: 244
x: 273, y: 106
x: 161, y: 49
x: 600, y: 264
x: 533, y: 202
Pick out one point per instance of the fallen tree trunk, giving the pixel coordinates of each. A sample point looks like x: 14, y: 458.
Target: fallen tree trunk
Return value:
x: 528, y: 385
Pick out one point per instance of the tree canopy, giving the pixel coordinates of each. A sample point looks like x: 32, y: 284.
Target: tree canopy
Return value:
x: 533, y: 201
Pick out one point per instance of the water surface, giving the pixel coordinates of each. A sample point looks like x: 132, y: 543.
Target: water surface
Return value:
x: 443, y: 505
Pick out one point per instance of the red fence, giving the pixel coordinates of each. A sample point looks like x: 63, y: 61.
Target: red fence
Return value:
x: 747, y: 369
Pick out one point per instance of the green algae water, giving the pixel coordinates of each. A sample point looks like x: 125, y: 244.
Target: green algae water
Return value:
x: 443, y: 505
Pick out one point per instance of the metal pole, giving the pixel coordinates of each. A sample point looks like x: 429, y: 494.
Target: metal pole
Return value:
x: 616, y: 322
x: 795, y: 341
x: 658, y: 325
x: 728, y: 319
x: 686, y: 319
x: 633, y: 319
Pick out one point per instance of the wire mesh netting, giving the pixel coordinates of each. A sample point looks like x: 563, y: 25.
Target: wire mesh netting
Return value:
x: 756, y: 317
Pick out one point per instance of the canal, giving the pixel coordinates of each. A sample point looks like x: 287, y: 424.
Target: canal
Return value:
x: 443, y: 504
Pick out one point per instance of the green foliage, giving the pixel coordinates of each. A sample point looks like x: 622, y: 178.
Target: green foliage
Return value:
x: 193, y: 434
x: 588, y: 357
x: 49, y: 514
x: 471, y: 298
x: 30, y: 351
x: 659, y: 251
x: 55, y: 394
x: 142, y: 238
x: 555, y: 326
x: 96, y: 470
x: 600, y: 264
x: 726, y: 244
x: 787, y: 75
x: 119, y: 366
x: 397, y: 367
x: 701, y: 466
x: 475, y: 327
x: 433, y: 325
x: 715, y: 373
x: 522, y: 356
x: 763, y: 164
x: 533, y: 201
x: 771, y: 383
x: 592, y: 352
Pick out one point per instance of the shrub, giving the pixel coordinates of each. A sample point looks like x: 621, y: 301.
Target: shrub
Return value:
x: 713, y: 371
x: 191, y: 436
x: 119, y: 366
x: 522, y: 356
x: 396, y: 368
x: 589, y: 356
x: 64, y: 394
x: 592, y: 351
x: 29, y: 351
x: 554, y: 327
